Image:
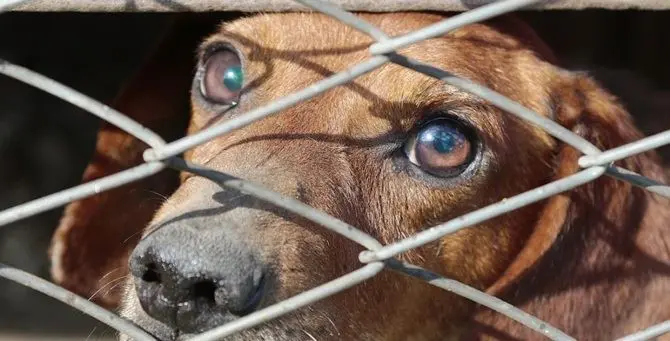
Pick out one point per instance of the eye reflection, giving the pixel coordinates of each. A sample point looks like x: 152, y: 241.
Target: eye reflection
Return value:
x: 233, y: 78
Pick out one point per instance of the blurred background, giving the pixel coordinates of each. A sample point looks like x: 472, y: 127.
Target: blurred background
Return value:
x: 45, y: 143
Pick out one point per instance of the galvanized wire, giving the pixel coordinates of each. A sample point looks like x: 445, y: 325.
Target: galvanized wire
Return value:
x: 482, y: 298
x: 81, y: 304
x: 346, y: 18
x: 502, y: 102
x: 377, y: 256
x: 630, y: 149
x: 639, y: 181
x: 94, y: 107
x: 482, y: 214
x: 293, y: 303
x: 648, y: 334
x: 82, y: 191
x: 287, y: 203
x: 470, y: 17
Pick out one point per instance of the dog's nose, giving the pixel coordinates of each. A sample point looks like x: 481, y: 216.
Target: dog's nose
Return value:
x: 194, y: 281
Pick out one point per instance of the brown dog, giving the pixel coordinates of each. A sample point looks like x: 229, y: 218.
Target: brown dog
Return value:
x: 391, y: 153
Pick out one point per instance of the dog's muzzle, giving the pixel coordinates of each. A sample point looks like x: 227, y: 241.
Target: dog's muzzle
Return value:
x: 194, y: 278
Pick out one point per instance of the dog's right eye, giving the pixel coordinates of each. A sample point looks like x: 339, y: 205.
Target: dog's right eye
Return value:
x: 223, y: 77
x: 441, y: 147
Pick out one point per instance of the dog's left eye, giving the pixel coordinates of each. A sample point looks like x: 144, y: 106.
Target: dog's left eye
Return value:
x: 440, y: 147
x: 222, y: 77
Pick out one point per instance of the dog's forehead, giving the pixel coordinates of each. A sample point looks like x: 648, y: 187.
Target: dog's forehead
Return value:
x: 289, y: 51
x: 314, y: 31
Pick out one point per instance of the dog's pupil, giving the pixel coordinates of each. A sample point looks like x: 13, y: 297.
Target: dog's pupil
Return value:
x: 444, y: 142
x: 442, y: 138
x: 233, y: 78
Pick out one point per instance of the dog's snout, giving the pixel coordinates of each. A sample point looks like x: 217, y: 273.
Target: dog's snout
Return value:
x: 195, y: 280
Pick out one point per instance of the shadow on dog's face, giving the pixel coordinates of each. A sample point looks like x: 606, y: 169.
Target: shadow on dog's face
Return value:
x: 392, y: 153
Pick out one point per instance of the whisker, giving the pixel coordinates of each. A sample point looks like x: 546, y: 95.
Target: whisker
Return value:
x: 310, y: 335
x: 332, y: 323
x: 159, y: 195
x: 107, y: 284
x: 109, y: 273
x: 91, y: 333
x: 323, y: 314
x: 132, y: 235
x: 115, y: 286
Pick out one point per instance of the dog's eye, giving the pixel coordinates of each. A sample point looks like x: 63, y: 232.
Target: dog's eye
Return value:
x: 223, y: 77
x: 440, y: 147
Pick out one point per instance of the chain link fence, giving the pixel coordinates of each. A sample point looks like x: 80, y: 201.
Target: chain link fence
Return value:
x: 595, y: 163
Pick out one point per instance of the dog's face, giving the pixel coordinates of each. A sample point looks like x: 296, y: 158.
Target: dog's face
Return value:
x: 392, y: 153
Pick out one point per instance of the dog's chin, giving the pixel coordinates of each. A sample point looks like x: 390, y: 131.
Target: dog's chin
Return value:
x: 300, y: 325
x: 265, y: 333
x: 283, y: 329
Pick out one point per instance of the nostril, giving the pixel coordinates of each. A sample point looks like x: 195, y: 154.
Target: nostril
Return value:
x: 254, y: 298
x: 204, y: 290
x: 151, y: 274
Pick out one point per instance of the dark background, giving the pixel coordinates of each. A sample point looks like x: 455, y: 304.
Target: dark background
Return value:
x: 45, y: 143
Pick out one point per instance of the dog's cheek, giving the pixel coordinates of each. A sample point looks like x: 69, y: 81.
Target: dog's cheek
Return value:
x: 309, y: 254
x: 297, y: 256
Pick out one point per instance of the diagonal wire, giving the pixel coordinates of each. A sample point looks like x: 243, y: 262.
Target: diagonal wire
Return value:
x: 287, y: 203
x: 57, y: 199
x: 639, y: 180
x: 482, y: 214
x: 80, y: 303
x: 346, y: 18
x: 502, y: 102
x: 629, y: 149
x: 482, y: 298
x: 648, y: 334
x: 470, y: 17
x: 70, y: 95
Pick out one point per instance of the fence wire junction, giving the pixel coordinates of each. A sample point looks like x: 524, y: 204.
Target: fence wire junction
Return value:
x: 160, y: 155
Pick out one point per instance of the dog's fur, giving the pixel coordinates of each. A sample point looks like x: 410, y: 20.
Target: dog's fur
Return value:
x: 593, y: 261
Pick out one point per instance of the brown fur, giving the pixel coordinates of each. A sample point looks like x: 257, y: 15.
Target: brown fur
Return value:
x: 592, y: 262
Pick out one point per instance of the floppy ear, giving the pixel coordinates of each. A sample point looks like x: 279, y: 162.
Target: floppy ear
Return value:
x: 90, y: 247
x: 583, y: 236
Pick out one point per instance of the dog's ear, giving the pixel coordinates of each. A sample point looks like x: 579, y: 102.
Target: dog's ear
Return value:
x: 583, y: 106
x: 590, y: 228
x: 90, y: 247
x: 517, y: 32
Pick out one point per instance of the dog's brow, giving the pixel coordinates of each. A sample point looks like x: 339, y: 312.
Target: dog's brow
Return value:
x: 437, y: 93
x: 218, y: 41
